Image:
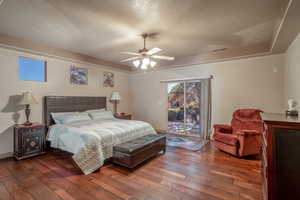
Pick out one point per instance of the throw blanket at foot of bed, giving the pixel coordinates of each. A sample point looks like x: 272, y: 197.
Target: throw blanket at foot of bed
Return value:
x: 91, y: 142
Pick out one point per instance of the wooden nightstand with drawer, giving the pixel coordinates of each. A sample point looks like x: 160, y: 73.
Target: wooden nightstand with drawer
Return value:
x: 29, y: 140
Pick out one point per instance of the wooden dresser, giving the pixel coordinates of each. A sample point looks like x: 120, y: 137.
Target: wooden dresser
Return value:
x: 281, y: 157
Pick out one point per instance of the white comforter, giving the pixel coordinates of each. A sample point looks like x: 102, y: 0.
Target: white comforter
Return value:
x: 91, y: 142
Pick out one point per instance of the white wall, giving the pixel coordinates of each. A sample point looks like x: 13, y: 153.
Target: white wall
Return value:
x: 292, y: 72
x: 254, y: 82
x: 58, y: 83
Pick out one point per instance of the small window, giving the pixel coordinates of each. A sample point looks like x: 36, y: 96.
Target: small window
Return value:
x: 32, y: 70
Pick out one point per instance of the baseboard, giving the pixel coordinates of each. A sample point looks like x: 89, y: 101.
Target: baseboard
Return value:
x: 6, y: 155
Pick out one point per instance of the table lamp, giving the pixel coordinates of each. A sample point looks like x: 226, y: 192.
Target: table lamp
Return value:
x: 115, y: 99
x: 27, y: 100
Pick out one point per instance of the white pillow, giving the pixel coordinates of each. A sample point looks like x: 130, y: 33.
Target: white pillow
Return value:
x: 55, y: 116
x: 69, y: 118
x: 96, y: 110
x: 101, y: 115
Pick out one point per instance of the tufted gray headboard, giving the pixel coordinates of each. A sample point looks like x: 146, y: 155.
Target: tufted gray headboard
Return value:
x: 70, y: 104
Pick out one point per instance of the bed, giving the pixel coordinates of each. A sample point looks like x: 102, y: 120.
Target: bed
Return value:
x: 89, y: 141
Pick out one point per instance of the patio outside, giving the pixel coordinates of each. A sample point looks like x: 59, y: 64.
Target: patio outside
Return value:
x: 176, y: 108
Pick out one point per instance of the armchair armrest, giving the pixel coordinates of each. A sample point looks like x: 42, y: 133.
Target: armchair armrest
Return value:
x: 248, y: 132
x: 250, y: 142
x: 223, y: 128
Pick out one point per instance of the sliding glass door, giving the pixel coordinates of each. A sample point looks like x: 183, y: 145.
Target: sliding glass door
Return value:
x: 176, y: 107
x: 184, y: 107
x: 192, y: 107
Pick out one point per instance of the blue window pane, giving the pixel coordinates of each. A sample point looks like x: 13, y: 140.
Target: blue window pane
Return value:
x: 32, y: 70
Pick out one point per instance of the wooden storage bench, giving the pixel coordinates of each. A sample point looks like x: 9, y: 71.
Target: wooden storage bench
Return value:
x: 132, y: 153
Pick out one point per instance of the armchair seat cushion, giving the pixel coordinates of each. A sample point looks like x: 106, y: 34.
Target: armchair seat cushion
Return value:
x: 223, y: 128
x: 229, y: 139
x: 248, y: 132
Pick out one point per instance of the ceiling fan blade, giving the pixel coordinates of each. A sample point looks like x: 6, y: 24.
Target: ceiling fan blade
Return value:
x: 163, y: 57
x: 130, y: 53
x: 130, y: 59
x: 154, y: 51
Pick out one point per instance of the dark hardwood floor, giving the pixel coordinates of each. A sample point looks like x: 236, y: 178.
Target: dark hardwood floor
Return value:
x: 179, y: 174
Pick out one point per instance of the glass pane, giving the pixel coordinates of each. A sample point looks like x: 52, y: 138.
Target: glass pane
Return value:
x: 193, y: 92
x: 176, y: 107
x: 32, y: 70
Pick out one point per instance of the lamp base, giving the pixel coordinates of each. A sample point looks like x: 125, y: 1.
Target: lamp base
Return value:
x: 27, y: 113
x: 115, y: 107
x: 27, y: 124
x: 293, y: 113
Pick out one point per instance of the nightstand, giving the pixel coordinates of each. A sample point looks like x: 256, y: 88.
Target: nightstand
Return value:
x: 29, y: 140
x: 125, y: 116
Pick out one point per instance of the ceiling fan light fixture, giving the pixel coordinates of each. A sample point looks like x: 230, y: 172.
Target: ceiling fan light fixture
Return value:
x: 136, y: 63
x: 144, y: 67
x: 152, y: 63
x: 143, y: 59
x: 146, y: 61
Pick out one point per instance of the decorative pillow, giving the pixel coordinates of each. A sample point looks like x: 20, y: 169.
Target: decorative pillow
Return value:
x: 65, y: 119
x: 101, y: 115
x: 60, y: 114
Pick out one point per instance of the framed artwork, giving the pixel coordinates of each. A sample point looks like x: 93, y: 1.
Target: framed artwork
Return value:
x: 108, y: 79
x: 78, y: 76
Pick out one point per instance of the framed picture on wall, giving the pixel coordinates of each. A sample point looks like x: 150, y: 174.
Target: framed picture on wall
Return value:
x: 78, y: 76
x: 108, y: 79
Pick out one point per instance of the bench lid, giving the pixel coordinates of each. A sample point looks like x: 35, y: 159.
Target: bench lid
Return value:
x: 137, y: 144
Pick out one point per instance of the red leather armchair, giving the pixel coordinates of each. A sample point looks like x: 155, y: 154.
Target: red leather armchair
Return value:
x: 243, y: 136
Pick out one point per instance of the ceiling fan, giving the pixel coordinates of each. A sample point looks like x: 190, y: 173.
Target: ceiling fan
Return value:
x: 145, y: 57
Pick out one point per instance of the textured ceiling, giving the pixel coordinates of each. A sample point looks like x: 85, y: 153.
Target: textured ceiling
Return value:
x: 104, y: 28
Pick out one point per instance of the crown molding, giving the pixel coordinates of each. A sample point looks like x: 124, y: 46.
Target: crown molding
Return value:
x: 288, y: 27
x: 227, y: 55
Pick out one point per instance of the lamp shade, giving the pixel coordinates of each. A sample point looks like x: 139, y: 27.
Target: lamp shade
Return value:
x: 28, y: 99
x: 115, y: 96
